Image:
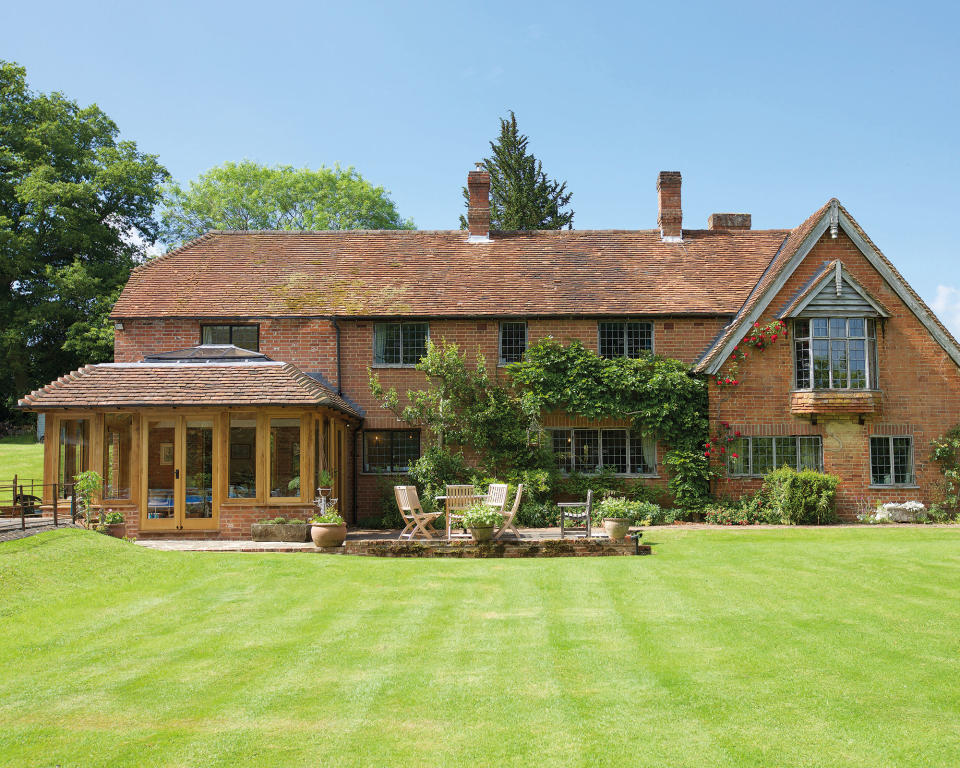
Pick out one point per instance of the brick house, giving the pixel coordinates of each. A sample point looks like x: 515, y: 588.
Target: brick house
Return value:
x: 241, y: 358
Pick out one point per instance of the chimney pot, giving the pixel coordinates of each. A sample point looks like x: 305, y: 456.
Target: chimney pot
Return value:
x: 478, y: 208
x: 729, y: 222
x: 670, y: 213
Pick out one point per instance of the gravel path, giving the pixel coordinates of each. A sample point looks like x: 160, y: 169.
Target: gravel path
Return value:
x: 10, y: 527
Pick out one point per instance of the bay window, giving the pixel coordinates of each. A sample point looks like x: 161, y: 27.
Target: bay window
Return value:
x: 835, y: 353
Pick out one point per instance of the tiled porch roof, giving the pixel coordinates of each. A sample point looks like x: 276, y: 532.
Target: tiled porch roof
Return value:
x: 126, y: 385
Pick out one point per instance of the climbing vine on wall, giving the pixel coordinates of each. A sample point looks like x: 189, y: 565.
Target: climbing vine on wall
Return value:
x: 657, y: 394
x: 759, y: 338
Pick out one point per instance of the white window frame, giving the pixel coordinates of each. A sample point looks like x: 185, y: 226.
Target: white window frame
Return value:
x: 526, y: 340
x: 912, y: 481
x: 400, y: 325
x: 625, y: 323
x: 631, y: 436
x: 749, y: 454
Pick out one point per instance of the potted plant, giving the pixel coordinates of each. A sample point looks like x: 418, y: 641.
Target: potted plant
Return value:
x: 480, y: 520
x: 324, y: 483
x: 279, y: 529
x: 85, y: 486
x: 617, y: 516
x: 328, y: 529
x: 112, y: 522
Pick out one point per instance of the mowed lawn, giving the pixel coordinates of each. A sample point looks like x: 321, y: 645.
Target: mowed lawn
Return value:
x: 834, y: 647
x: 20, y: 455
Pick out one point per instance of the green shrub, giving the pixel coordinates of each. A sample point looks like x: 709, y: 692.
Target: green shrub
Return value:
x: 690, y: 475
x: 111, y: 517
x: 946, y: 453
x: 637, y: 512
x: 801, y: 498
x: 536, y: 514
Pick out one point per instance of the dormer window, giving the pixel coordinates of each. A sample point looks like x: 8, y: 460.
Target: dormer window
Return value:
x: 835, y: 353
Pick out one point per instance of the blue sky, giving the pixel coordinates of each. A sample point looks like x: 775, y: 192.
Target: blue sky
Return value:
x: 767, y: 108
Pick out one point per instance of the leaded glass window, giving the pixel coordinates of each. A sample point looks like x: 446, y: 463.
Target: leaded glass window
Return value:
x: 624, y: 339
x: 399, y: 343
x: 835, y: 353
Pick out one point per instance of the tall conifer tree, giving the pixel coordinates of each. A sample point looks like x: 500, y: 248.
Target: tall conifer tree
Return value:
x: 521, y: 194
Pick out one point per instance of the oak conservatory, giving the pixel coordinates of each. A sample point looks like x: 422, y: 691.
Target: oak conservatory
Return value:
x: 209, y: 438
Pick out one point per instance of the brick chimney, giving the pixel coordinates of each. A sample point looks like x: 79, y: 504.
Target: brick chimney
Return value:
x: 478, y: 210
x: 669, y: 215
x: 729, y: 222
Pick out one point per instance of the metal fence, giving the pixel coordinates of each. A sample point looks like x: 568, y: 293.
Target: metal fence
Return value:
x: 22, y: 501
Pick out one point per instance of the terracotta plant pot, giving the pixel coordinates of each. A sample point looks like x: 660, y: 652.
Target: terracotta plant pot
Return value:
x: 325, y: 491
x: 328, y: 534
x: 117, y: 530
x: 482, y: 534
x: 616, y: 527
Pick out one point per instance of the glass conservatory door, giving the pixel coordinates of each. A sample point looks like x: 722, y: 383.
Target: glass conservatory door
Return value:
x: 198, y: 508
x: 159, y: 451
x: 179, y: 471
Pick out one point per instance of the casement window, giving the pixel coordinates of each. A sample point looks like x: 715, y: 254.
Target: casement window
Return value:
x: 891, y: 461
x: 242, y: 453
x: 243, y: 336
x: 835, y: 353
x: 624, y: 339
x: 390, y: 450
x: 591, y: 450
x: 117, y: 442
x: 285, y: 457
x: 399, y: 343
x: 755, y: 456
x: 513, y: 342
x: 74, y: 455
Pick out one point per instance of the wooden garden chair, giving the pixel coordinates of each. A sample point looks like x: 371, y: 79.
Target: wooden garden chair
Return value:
x: 497, y: 497
x: 508, y: 517
x: 418, y: 521
x: 577, y: 511
x: 458, y: 498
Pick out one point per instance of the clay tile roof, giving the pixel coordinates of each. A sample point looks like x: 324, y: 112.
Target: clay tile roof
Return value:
x: 795, y: 239
x: 422, y: 273
x: 125, y: 385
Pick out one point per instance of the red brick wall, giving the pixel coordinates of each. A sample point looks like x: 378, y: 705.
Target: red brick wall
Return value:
x: 919, y: 383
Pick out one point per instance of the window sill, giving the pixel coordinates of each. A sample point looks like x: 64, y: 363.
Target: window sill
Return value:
x: 366, y: 473
x: 394, y: 365
x: 834, y: 401
x: 893, y: 487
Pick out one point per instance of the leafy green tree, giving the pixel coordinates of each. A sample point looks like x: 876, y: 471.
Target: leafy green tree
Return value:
x: 464, y: 407
x: 248, y: 195
x: 76, y: 214
x: 521, y: 194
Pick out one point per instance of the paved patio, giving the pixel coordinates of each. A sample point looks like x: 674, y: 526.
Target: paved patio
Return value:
x: 533, y: 542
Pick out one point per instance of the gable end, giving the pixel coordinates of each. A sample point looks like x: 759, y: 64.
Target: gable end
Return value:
x: 833, y: 216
